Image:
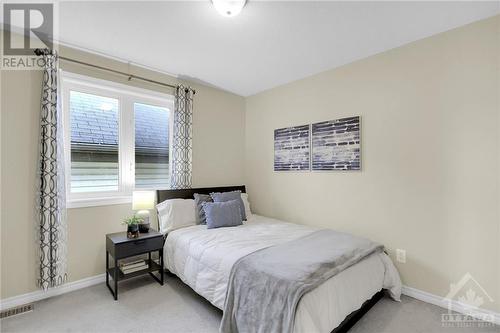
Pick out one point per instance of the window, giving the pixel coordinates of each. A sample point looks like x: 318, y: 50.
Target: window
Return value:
x: 94, y: 142
x: 117, y: 139
x: 151, y: 146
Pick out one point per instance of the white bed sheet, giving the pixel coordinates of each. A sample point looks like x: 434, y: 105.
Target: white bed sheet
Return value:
x: 202, y: 258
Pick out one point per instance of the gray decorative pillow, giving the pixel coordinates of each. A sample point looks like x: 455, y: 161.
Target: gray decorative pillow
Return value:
x: 199, y: 199
x: 228, y: 196
x: 222, y: 214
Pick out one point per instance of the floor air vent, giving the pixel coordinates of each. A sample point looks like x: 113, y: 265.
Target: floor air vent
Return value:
x: 17, y: 310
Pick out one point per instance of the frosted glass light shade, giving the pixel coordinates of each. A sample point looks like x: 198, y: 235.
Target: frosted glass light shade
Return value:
x: 143, y: 200
x: 229, y: 8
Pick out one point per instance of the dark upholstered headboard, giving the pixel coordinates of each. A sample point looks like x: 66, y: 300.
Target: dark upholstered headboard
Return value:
x: 162, y: 195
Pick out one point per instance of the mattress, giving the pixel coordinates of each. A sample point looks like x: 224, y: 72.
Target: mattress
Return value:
x: 202, y: 258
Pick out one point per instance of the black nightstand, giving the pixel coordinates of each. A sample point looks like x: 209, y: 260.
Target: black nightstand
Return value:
x: 121, y: 247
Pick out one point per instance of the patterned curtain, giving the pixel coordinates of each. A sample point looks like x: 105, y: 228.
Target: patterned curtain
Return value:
x: 51, y: 196
x: 182, y: 145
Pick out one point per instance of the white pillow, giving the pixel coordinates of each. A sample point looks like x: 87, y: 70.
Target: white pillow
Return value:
x: 175, y: 214
x: 248, y: 212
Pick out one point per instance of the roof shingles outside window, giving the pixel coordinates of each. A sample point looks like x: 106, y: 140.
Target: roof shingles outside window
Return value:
x: 95, y: 139
x: 150, y: 130
x: 99, y: 126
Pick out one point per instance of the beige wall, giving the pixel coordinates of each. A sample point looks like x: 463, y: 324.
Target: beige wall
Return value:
x: 430, y: 155
x: 218, y: 138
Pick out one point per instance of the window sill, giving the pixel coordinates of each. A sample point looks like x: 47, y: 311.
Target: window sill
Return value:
x: 94, y: 202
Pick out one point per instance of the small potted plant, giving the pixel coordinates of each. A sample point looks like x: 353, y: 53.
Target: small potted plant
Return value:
x: 132, y: 226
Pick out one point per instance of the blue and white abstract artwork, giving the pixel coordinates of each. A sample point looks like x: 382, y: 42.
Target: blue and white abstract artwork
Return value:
x: 291, y: 148
x: 336, y: 144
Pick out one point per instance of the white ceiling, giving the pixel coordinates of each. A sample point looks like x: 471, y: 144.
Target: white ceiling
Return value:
x: 268, y: 44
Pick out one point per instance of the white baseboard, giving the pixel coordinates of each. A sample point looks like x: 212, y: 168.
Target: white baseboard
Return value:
x: 41, y: 294
x: 455, y: 305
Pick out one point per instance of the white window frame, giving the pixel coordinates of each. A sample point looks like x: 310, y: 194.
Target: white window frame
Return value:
x: 126, y: 96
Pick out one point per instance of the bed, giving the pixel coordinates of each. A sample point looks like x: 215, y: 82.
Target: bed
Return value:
x: 203, y: 260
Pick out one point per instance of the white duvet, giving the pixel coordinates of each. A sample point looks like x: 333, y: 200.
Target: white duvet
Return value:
x: 202, y: 258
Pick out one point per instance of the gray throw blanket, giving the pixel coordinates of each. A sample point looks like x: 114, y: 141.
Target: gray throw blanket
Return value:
x: 266, y: 286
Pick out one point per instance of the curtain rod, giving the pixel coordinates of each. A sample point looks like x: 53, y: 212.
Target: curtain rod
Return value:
x: 40, y: 52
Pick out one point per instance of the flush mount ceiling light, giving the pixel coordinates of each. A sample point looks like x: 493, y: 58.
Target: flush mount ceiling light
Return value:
x: 229, y: 8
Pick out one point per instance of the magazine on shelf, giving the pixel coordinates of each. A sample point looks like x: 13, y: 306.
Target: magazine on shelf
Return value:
x: 126, y: 270
x: 126, y: 266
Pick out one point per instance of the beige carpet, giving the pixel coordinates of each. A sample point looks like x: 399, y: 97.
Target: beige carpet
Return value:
x: 145, y: 306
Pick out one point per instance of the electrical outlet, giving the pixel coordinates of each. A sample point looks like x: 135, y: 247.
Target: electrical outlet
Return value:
x: 401, y: 256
